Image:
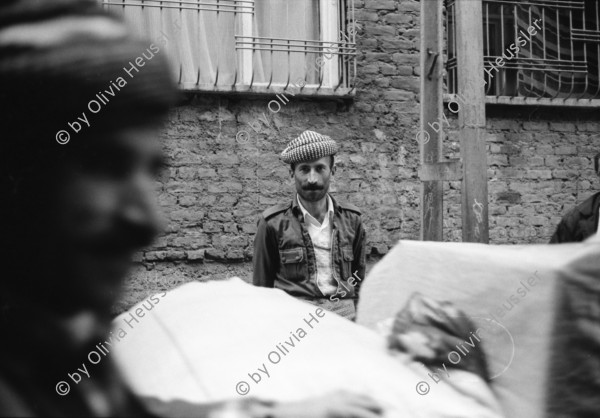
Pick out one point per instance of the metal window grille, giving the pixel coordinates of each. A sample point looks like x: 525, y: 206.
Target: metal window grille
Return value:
x: 556, y: 61
x: 232, y: 46
x: 223, y: 6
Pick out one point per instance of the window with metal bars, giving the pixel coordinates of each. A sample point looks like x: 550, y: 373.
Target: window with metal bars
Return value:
x: 256, y: 46
x: 546, y: 50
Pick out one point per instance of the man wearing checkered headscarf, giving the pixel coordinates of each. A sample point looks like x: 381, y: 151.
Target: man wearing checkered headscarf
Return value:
x: 313, y: 247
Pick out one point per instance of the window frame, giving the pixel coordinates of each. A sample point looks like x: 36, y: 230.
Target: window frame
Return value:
x: 331, y: 18
x: 334, y: 42
x: 508, y: 100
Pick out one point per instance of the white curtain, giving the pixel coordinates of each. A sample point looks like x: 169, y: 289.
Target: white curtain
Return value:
x: 200, y: 44
x: 196, y: 40
x: 297, y: 20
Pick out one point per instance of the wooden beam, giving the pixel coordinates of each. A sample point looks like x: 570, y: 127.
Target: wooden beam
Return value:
x: 430, y: 140
x: 535, y: 101
x: 444, y: 171
x: 471, y: 120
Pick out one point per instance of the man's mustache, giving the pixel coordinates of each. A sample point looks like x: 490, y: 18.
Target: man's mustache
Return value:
x: 315, y: 187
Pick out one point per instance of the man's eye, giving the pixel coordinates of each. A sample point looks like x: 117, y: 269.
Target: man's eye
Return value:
x: 158, y: 167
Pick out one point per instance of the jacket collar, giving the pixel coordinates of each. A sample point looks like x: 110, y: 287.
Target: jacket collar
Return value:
x: 305, y: 212
x: 297, y: 211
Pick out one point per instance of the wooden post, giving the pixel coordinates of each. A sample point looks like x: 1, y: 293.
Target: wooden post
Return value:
x: 430, y: 134
x: 471, y: 120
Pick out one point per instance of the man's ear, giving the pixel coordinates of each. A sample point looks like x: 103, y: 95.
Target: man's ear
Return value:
x: 333, y: 170
x: 291, y: 172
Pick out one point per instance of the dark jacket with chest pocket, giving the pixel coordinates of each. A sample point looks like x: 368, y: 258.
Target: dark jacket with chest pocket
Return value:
x: 284, y: 257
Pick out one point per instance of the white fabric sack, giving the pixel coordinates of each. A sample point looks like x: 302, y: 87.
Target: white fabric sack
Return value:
x: 546, y: 296
x: 200, y: 341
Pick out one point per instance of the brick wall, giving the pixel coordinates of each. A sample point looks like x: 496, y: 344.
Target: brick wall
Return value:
x: 217, y: 185
x: 540, y: 166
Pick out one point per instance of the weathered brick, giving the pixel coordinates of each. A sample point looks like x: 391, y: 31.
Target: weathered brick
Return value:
x: 399, y: 18
x: 562, y: 127
x: 380, y: 4
x: 535, y: 126
x: 365, y: 15
x: 539, y: 174
x: 566, y: 150
x: 197, y: 255
x: 497, y: 160
x: 399, y: 95
x: 537, y: 220
x: 395, y: 44
x: 409, y: 6
x: 509, y: 197
x: 380, y: 30
x: 212, y: 227
x: 387, y: 69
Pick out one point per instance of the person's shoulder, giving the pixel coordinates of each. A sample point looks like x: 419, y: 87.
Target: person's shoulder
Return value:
x: 583, y: 211
x: 595, y: 201
x: 349, y: 207
x: 588, y: 207
x: 274, y: 210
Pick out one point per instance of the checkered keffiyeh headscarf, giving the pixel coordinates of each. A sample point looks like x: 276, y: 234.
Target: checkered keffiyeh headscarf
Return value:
x: 309, y: 146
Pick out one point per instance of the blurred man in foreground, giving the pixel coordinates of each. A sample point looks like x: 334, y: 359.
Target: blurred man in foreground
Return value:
x: 78, y: 161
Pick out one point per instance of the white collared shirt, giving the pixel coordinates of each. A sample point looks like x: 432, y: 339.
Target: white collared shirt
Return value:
x: 320, y: 235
